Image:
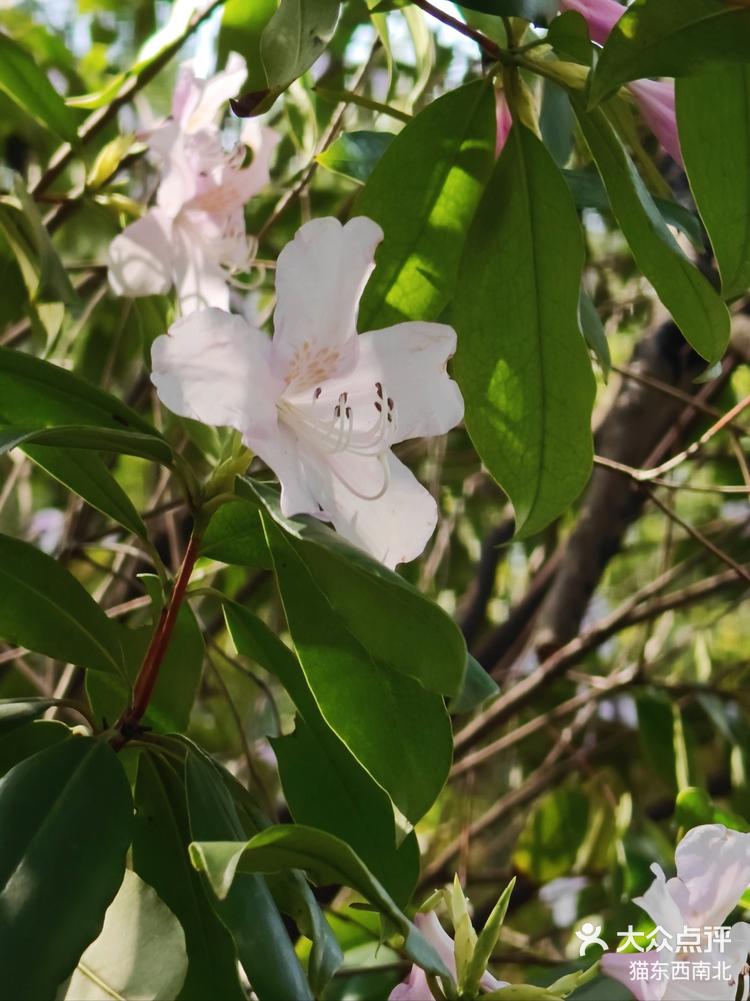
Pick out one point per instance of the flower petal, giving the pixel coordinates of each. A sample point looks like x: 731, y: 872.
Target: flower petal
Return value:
x: 200, y: 279
x: 197, y: 103
x: 413, y: 988
x: 214, y: 368
x: 263, y: 142
x: 409, y: 360
x: 277, y: 447
x: 140, y: 258
x: 659, y: 903
x: 656, y: 101
x: 601, y: 15
x: 395, y: 527
x: 320, y: 277
x: 714, y: 865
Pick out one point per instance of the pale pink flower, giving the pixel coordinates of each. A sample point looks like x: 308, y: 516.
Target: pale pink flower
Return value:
x: 713, y: 871
x: 414, y: 987
x: 319, y: 404
x: 194, y: 236
x: 504, y: 121
x: 655, y: 99
x: 601, y: 15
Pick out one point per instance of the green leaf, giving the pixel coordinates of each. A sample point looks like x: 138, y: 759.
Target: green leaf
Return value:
x: 477, y: 688
x: 521, y: 361
x: 324, y: 785
x: 28, y: 86
x: 424, y: 192
x: 539, y: 11
x: 713, y: 113
x: 398, y: 731
x: 693, y: 806
x: 326, y: 858
x: 66, y: 816
x: 295, y: 36
x: 86, y: 475
x: 593, y: 332
x: 16, y: 712
x: 569, y: 35
x: 23, y: 741
x: 391, y: 619
x: 355, y: 154
x: 655, y: 735
x: 160, y: 857
x: 45, y: 609
x: 242, y: 26
x: 589, y: 193
x: 179, y: 676
x: 486, y: 942
x: 235, y: 535
x: 37, y: 393
x: 248, y: 910
x: 103, y: 439
x: 696, y: 308
x: 52, y: 282
x: 140, y: 952
x: 671, y: 38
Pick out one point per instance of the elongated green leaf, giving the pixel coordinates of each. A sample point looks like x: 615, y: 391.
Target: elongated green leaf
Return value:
x: 22, y: 741
x: 324, y: 784
x: 478, y: 687
x: 242, y: 26
x: 45, y: 609
x: 355, y: 154
x: 179, y: 676
x: 294, y: 38
x: 38, y: 394
x: 521, y: 360
x: 29, y: 88
x: 86, y: 475
x: 697, y: 309
x: 424, y: 192
x: 589, y: 193
x: 140, y: 952
x: 389, y: 617
x: 593, y: 332
x: 398, y: 731
x: 248, y: 910
x: 235, y: 535
x: 713, y: 113
x: 325, y: 858
x: 103, y: 439
x: 66, y: 815
x: 54, y: 283
x: 671, y: 38
x: 160, y: 857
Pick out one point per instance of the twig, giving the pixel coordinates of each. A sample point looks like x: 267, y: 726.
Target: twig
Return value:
x: 645, y: 476
x: 700, y: 537
x: 486, y: 44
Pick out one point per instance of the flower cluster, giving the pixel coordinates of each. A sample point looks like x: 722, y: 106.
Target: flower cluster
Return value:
x: 194, y: 237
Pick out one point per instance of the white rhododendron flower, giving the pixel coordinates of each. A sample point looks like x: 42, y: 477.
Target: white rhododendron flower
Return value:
x: 320, y: 404
x: 713, y: 871
x: 194, y: 236
x: 415, y: 987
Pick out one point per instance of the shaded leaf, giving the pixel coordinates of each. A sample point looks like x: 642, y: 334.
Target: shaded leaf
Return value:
x: 28, y: 87
x: 66, y: 816
x: 139, y: 954
x: 521, y: 362
x: 355, y: 154
x: 324, y: 784
x: 45, y: 609
x: 713, y: 113
x: 696, y: 307
x: 327, y: 859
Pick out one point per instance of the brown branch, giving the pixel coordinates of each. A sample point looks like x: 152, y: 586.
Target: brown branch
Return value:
x: 492, y: 49
x: 129, y: 723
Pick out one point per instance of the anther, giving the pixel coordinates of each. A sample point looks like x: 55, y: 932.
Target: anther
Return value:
x: 343, y: 397
x: 316, y: 394
x: 379, y: 389
x: 348, y: 413
x: 390, y: 403
x: 378, y: 406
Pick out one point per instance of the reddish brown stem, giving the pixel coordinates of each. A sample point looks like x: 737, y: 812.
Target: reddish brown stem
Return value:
x: 129, y: 722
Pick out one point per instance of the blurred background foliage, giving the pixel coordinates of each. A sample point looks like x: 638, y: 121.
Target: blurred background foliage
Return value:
x: 640, y: 732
